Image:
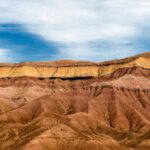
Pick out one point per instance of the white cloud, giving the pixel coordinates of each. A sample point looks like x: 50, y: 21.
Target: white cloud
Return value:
x: 77, y: 21
x: 103, y: 53
x: 4, y: 55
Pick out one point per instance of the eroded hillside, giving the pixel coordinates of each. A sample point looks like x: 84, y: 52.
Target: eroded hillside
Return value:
x: 71, y: 105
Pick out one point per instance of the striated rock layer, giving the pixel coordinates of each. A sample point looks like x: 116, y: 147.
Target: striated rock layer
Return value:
x: 71, y: 105
x: 71, y: 69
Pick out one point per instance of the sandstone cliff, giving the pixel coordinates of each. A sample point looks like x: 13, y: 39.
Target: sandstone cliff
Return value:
x: 71, y: 105
x: 72, y: 69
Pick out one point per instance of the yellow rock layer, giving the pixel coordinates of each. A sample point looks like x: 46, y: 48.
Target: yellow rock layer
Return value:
x: 69, y: 71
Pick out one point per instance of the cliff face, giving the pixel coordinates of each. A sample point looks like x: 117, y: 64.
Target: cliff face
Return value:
x: 71, y: 105
x: 71, y: 69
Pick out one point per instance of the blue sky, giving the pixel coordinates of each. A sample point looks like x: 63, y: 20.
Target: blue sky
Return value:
x: 94, y: 30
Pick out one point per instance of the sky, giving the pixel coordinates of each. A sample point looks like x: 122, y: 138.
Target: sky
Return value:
x: 88, y: 30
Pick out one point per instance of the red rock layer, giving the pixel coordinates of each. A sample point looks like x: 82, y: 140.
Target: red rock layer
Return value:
x: 111, y: 112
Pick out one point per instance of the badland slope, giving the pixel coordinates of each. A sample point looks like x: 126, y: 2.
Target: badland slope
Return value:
x: 73, y: 105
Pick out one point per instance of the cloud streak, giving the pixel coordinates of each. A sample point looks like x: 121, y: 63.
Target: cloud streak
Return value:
x: 77, y: 24
x: 71, y: 21
x: 4, y: 55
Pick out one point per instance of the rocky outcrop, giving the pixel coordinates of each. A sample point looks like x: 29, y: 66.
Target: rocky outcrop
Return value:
x: 77, y: 106
x: 71, y: 69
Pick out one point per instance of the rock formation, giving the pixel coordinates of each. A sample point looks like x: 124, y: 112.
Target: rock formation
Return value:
x: 73, y: 105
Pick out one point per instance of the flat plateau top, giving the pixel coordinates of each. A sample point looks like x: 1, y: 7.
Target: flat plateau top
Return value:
x: 72, y: 68
x: 61, y: 63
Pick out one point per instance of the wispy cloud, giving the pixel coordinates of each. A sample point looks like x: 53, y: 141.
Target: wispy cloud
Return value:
x: 87, y: 29
x: 23, y: 45
x: 4, y: 55
x: 74, y: 21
